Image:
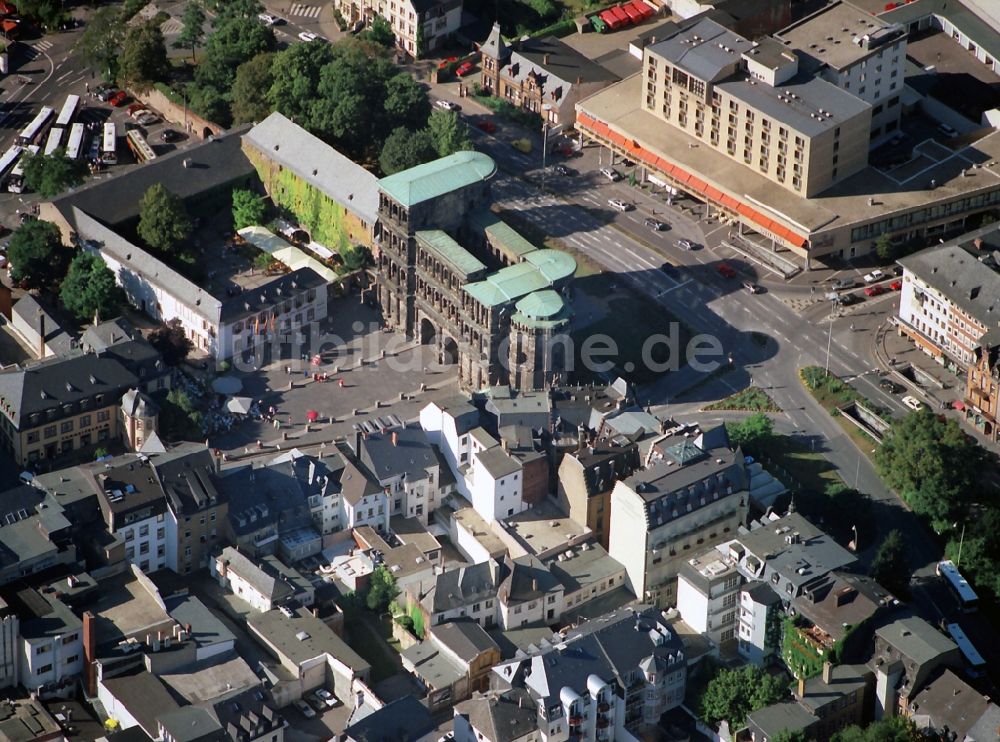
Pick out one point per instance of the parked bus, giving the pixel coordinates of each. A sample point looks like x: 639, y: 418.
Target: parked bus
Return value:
x: 977, y: 665
x: 8, y: 161
x: 54, y: 141
x: 15, y: 183
x: 967, y: 599
x: 109, y: 144
x: 36, y: 130
x: 68, y: 112
x: 74, y: 147
x: 140, y: 147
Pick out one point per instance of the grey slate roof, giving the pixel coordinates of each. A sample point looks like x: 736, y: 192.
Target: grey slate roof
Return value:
x: 916, y: 639
x: 404, y: 718
x: 466, y: 639
x: 206, y: 628
x: 107, y: 333
x: 274, y: 292
x: 556, y: 65
x: 191, y: 724
x: 778, y: 717
x: 498, y: 462
x: 527, y: 579
x: 586, y: 567
x: 951, y: 702
x: 145, y: 697
x: 318, y: 164
x: 500, y: 716
x: 954, y: 270
x: 265, y: 581
x: 455, y: 588
x: 213, y: 162
x: 55, y: 383
x: 56, y: 338
x: 703, y: 58
x: 284, y: 632
x: 412, y: 454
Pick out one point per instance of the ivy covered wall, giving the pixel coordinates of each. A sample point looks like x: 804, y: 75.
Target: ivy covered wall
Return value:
x: 327, y: 221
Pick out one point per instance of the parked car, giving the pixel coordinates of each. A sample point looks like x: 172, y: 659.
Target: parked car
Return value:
x: 447, y: 105
x: 446, y: 737
x: 464, y: 69
x: 135, y: 108
x: 846, y: 300
x: 307, y: 36
x: 948, y: 131
x: 685, y: 244
x: 618, y: 205
x: 488, y: 126
x: 753, y: 288
x: 326, y: 697
x: 148, y: 119
x: 874, y: 276
x: 611, y: 174
x: 725, y: 270
x: 890, y: 386
x: 305, y: 709
x: 655, y: 224
x: 875, y: 290
x: 106, y: 94
x: 912, y: 402
x: 270, y: 20
x: 564, y: 171
x: 896, y: 285
x: 670, y: 270
x: 845, y: 283
x: 119, y: 99
x: 169, y: 135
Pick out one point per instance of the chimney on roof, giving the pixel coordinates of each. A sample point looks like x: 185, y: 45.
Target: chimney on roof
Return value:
x: 90, y: 650
x: 545, y: 59
x: 534, y: 584
x: 801, y: 687
x: 41, y: 334
x: 827, y: 672
x: 978, y: 243
x: 395, y: 438
x: 579, y: 80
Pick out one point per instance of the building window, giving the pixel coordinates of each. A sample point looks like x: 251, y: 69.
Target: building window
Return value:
x: 50, y: 431
x: 85, y: 421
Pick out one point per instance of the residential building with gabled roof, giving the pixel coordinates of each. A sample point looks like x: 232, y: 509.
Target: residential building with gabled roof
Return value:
x: 496, y: 716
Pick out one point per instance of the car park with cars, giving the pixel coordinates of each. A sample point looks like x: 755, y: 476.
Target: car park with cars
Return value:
x: 169, y: 135
x: 326, y: 698
x: 845, y: 283
x: 119, y: 99
x: 447, y: 105
x: 725, y: 270
x: 611, y: 174
x: 846, y: 300
x: 875, y: 275
x: 308, y: 36
x: 888, y: 385
x: 896, y: 286
x: 270, y: 20
x: 464, y: 69
x: 875, y: 290
x: 305, y: 709
x: 912, y: 402
x: 105, y: 93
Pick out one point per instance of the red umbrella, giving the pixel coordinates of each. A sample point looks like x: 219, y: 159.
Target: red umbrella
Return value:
x: 312, y: 416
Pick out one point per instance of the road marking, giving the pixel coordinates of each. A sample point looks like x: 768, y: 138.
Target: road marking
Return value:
x: 65, y: 75
x: 674, y: 288
x: 305, y: 11
x: 42, y: 46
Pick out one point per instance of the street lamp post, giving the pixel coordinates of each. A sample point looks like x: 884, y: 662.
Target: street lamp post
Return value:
x: 961, y: 540
x: 829, y: 342
x: 545, y: 138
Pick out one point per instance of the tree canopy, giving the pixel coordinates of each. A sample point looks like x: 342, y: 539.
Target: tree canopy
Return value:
x: 932, y: 464
x: 90, y: 288
x: 254, y: 79
x: 143, y: 57
x: 37, y: 256
x: 895, y: 729
x: 380, y: 32
x: 101, y: 39
x: 405, y: 149
x: 192, y: 27
x: 248, y: 208
x: 889, y: 566
x: 171, y: 342
x: 791, y: 735
x: 163, y: 221
x: 732, y: 694
x: 448, y: 132
x: 382, y: 589
x: 179, y: 418
x: 52, y: 174
x: 752, y: 429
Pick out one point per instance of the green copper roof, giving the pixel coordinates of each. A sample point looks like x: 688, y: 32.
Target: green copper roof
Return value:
x: 449, y: 251
x: 433, y: 179
x: 502, y: 233
x: 507, y: 284
x: 552, y: 264
x: 540, y: 304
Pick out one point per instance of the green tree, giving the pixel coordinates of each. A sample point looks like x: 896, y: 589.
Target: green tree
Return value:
x: 37, y: 256
x: 234, y: 42
x: 143, y: 57
x: 163, y: 221
x: 295, y: 86
x: 380, y: 33
x: 979, y: 551
x: 448, y: 132
x: 789, y: 735
x: 382, y: 589
x: 208, y: 102
x: 889, y: 565
x: 101, y: 39
x: 406, y: 103
x: 405, y: 149
x: 248, y: 208
x: 239, y: 10
x: 751, y: 430
x: 932, y: 464
x: 732, y: 694
x: 885, y: 249
x: 179, y: 419
x: 47, y: 13
x: 51, y: 175
x: 90, y: 288
x: 254, y: 79
x: 171, y: 342
x: 192, y: 28
x: 895, y: 729
x: 355, y: 257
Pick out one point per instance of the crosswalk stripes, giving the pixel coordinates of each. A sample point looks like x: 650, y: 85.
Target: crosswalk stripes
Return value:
x: 305, y: 11
x: 42, y: 46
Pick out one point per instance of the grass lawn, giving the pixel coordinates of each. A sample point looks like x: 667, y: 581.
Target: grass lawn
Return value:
x: 810, y: 469
x: 631, y: 321
x: 371, y: 638
x: 753, y: 399
x: 832, y: 393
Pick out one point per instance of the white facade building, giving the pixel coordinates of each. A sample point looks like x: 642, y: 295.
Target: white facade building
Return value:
x: 448, y: 425
x: 51, y: 651
x: 760, y: 619
x: 146, y: 542
x: 708, y: 593
x: 496, y: 484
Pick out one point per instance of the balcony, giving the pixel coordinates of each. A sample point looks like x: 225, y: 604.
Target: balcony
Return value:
x: 603, y: 723
x: 603, y: 708
x: 575, y: 721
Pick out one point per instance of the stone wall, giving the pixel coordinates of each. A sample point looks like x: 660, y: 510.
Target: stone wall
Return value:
x: 185, y: 119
